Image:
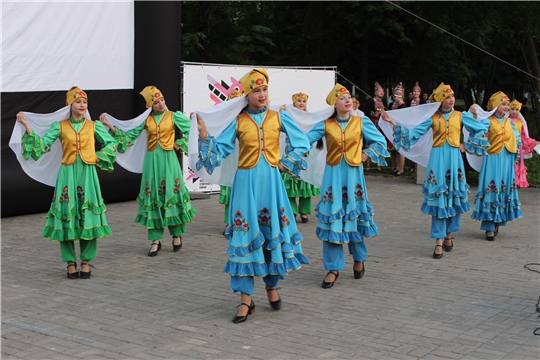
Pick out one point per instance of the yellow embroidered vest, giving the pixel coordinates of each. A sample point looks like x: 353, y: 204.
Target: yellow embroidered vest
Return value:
x: 518, y: 124
x: 500, y: 135
x: 344, y: 142
x: 73, y: 142
x: 162, y: 132
x: 254, y: 139
x: 444, y: 131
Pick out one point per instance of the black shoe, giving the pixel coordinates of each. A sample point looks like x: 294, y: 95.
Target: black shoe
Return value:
x: 154, y: 253
x: 251, y: 309
x: 437, y: 256
x: 72, y: 275
x: 490, y: 238
x: 304, y: 219
x: 176, y: 247
x: 328, y: 285
x: 359, y: 274
x: 276, y: 305
x: 448, y: 248
x: 85, y: 274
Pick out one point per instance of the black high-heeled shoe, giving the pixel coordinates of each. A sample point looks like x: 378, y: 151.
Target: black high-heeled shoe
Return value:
x: 72, y: 275
x: 176, y: 247
x: 276, y: 305
x: 437, y: 256
x: 154, y: 253
x: 327, y: 284
x: 304, y: 219
x: 251, y: 310
x: 358, y: 274
x: 448, y: 248
x: 490, y: 238
x: 85, y: 274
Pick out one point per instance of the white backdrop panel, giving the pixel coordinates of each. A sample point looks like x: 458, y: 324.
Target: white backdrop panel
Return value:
x: 48, y: 46
x: 206, y: 85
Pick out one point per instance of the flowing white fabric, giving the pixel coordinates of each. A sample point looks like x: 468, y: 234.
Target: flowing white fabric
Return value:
x: 45, y: 170
x: 216, y: 118
x: 410, y: 118
x: 133, y: 158
x: 476, y: 161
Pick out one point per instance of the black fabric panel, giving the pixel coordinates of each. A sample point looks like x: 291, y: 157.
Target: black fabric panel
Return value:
x: 157, y: 49
x: 23, y: 195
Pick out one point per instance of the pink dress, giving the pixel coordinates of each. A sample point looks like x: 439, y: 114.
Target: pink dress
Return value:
x: 527, y: 146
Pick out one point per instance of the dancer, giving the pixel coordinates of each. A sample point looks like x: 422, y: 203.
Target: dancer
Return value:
x: 163, y: 198
x: 527, y: 143
x: 445, y: 186
x: 345, y: 217
x: 398, y: 160
x: 497, y: 200
x: 373, y: 108
x: 415, y: 101
x: 296, y: 187
x: 77, y: 210
x: 263, y: 238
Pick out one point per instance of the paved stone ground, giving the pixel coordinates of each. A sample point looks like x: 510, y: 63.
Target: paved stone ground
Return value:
x: 477, y: 302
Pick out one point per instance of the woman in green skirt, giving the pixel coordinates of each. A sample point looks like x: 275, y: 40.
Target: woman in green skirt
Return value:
x: 297, y: 188
x: 77, y: 210
x: 163, y: 198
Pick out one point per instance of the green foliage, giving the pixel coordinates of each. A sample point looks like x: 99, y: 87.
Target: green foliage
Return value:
x: 533, y: 170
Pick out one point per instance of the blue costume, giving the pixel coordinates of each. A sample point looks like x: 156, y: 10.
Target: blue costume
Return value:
x: 263, y: 238
x: 344, y: 213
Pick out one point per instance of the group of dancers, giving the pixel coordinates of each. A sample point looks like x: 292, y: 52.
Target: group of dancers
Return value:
x: 272, y: 170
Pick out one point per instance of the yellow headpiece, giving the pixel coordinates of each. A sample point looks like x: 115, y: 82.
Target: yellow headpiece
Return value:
x: 150, y: 95
x: 336, y: 92
x: 254, y: 79
x: 299, y: 96
x: 441, y: 92
x: 496, y: 99
x: 73, y: 94
x: 515, y: 105
x: 234, y: 94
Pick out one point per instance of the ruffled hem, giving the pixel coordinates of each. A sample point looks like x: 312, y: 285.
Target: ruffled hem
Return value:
x: 247, y: 249
x: 180, y: 219
x: 294, y: 163
x: 338, y: 237
x: 527, y: 145
x: 497, y: 217
x: 208, y: 158
x: 251, y: 269
x: 183, y: 143
x: 445, y: 213
x: 148, y: 205
x: 56, y: 212
x: 377, y: 153
x: 76, y: 234
x: 401, y: 138
x: 356, y: 214
x: 122, y: 140
x: 475, y: 150
x: 444, y: 189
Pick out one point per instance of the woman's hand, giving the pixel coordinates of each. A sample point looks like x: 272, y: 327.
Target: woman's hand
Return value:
x: 364, y: 157
x: 21, y: 119
x: 473, y: 111
x: 283, y: 107
x: 104, y: 121
x: 387, y: 118
x: 203, y: 133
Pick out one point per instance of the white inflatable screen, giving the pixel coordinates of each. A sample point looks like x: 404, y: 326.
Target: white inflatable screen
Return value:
x: 51, y: 46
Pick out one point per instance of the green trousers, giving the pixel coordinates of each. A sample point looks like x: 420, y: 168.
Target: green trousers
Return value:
x: 88, y: 250
x: 226, y: 215
x: 304, y: 205
x: 174, y: 230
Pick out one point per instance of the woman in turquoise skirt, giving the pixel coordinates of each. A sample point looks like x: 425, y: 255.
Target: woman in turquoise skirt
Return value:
x: 298, y: 188
x: 497, y: 200
x: 77, y: 210
x: 263, y: 238
x: 163, y: 198
x: 344, y: 213
x: 445, y: 187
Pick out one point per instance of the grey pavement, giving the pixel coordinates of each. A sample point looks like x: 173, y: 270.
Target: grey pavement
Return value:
x: 477, y: 302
